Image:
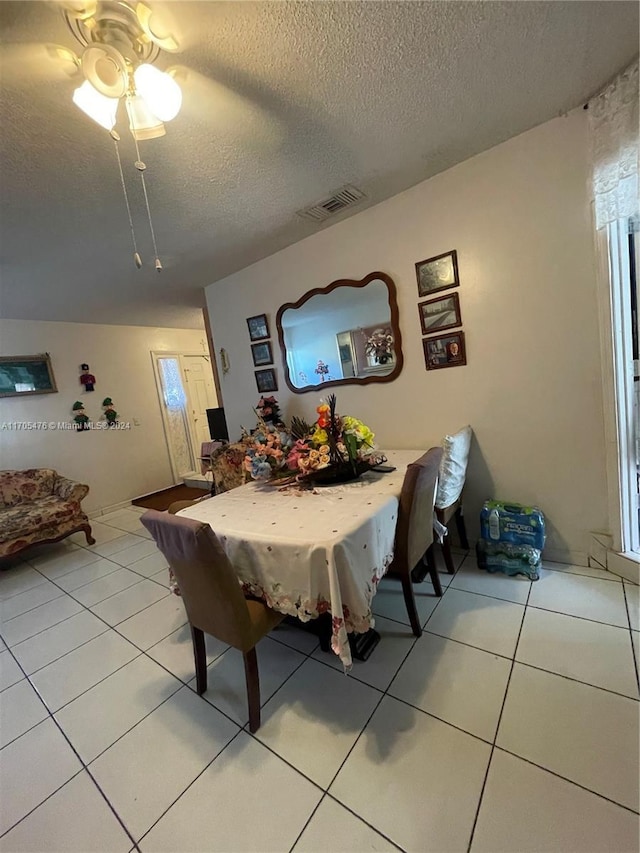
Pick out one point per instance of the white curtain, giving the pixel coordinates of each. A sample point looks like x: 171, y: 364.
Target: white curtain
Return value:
x: 613, y: 118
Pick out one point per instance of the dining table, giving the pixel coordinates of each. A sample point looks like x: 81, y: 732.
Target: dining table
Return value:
x: 312, y: 551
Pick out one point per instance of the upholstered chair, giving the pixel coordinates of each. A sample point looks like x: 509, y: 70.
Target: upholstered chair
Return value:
x: 212, y: 597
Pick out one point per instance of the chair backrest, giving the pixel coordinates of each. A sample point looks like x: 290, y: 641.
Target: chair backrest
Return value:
x: 227, y: 467
x: 208, y: 583
x: 414, y: 530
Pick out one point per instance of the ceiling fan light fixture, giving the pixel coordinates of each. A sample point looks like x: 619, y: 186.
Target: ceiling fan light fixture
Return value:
x: 97, y: 106
x: 106, y: 69
x: 142, y: 122
x: 160, y: 91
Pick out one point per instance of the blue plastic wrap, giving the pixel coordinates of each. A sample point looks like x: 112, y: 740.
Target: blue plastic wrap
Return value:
x: 512, y: 522
x: 512, y: 538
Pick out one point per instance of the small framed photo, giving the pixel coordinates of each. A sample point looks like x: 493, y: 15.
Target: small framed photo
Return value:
x: 262, y: 353
x: 444, y: 351
x: 440, y: 313
x: 437, y: 273
x: 258, y: 327
x: 266, y: 380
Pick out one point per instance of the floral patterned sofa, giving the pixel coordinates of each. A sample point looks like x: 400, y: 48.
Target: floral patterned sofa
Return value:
x: 38, y: 505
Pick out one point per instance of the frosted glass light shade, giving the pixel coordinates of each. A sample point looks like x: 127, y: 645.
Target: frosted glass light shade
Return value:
x: 97, y: 106
x: 142, y: 122
x: 160, y: 91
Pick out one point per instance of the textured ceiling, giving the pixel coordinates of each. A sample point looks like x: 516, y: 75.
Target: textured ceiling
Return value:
x: 283, y: 103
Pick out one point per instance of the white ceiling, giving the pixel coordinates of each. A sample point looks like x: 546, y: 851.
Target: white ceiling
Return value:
x: 283, y: 103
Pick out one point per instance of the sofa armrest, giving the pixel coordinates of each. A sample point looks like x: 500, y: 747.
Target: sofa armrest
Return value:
x: 69, y: 490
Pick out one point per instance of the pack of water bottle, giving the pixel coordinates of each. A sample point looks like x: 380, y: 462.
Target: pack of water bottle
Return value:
x: 512, y: 537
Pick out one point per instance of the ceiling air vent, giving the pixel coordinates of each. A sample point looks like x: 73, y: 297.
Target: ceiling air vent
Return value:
x: 345, y: 197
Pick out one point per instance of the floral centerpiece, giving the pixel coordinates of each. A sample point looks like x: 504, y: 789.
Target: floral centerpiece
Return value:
x: 336, y: 448
x: 380, y: 345
x: 267, y: 450
x: 269, y: 410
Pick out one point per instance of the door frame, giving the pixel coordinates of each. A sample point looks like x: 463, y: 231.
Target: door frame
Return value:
x: 195, y: 451
x: 618, y: 387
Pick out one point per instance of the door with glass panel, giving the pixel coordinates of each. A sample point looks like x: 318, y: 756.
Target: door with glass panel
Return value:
x: 175, y: 414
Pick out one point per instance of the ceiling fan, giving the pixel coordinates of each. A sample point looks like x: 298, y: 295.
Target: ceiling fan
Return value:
x: 121, y: 39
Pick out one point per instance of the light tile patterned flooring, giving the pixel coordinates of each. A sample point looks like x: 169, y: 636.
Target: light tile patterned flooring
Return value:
x: 510, y: 725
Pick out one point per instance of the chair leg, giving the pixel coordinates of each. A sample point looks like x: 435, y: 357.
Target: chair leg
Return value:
x: 253, y: 688
x: 433, y: 571
x: 410, y: 602
x: 448, y: 557
x: 87, y: 533
x: 200, y: 655
x: 462, y: 530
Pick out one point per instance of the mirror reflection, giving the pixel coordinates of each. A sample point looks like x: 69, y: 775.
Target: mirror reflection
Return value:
x: 345, y: 333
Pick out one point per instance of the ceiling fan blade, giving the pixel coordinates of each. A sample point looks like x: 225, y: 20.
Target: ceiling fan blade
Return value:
x: 80, y: 9
x: 156, y: 29
x: 40, y: 60
x: 235, y: 117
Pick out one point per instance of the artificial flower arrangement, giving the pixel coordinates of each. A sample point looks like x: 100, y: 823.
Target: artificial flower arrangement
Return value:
x: 380, y: 345
x: 335, y: 448
x: 269, y: 410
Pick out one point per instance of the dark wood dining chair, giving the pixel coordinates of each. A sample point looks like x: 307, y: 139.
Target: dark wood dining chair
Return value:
x: 414, y: 530
x: 445, y: 516
x: 212, y: 597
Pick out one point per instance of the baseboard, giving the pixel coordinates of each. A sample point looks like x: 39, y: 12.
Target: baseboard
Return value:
x: 105, y: 510
x: 626, y: 566
x: 562, y: 555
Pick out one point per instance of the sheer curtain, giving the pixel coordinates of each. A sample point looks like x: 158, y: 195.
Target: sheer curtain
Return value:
x: 613, y: 119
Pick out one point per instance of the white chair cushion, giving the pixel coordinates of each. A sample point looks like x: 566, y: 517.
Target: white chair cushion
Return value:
x: 453, y: 468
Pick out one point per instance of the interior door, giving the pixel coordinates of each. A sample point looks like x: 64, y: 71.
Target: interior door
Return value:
x: 201, y: 394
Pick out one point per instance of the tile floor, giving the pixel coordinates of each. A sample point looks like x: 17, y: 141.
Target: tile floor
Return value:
x: 510, y: 725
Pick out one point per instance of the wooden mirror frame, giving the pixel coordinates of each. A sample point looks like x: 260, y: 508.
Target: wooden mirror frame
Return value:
x: 394, y: 323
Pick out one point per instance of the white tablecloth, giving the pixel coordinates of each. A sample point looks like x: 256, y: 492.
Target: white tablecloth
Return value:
x: 314, y: 552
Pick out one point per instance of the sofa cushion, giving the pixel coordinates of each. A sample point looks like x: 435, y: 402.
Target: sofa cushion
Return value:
x: 17, y: 487
x: 35, y: 517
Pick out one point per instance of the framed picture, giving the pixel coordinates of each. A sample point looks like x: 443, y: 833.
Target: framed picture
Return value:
x: 262, y: 353
x: 266, y: 380
x: 26, y: 374
x: 437, y: 273
x: 258, y: 327
x: 440, y: 313
x: 444, y: 351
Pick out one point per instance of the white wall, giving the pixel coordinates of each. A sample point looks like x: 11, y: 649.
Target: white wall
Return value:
x: 117, y: 464
x: 518, y: 216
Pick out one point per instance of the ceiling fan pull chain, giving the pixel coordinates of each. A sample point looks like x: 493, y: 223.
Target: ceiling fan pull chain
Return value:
x: 136, y: 256
x: 141, y: 167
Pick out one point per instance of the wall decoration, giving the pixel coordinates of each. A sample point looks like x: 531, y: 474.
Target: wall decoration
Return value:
x: 266, y: 380
x: 258, y: 327
x: 444, y: 351
x: 262, y: 353
x: 224, y: 361
x: 80, y: 417
x: 109, y: 411
x: 26, y: 374
x: 87, y: 379
x: 440, y: 313
x: 437, y: 273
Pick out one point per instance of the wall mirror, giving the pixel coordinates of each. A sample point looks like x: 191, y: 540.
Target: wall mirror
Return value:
x: 347, y: 332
